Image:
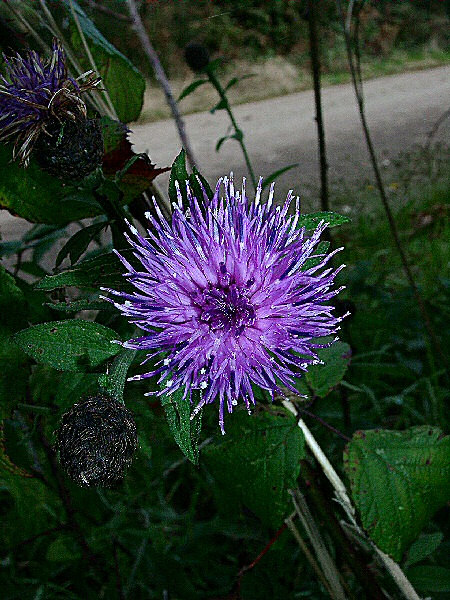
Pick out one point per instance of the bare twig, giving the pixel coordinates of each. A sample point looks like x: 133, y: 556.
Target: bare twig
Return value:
x: 306, y: 551
x: 435, y: 127
x: 161, y: 77
x: 108, y: 11
x: 110, y: 105
x: 357, y: 84
x: 315, y: 68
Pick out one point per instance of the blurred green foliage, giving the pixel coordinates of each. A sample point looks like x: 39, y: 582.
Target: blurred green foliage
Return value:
x: 256, y: 29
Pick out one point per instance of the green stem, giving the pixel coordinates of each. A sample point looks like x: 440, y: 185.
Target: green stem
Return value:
x: 237, y: 130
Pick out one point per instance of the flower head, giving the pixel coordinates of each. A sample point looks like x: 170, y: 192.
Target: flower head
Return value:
x: 35, y: 91
x: 225, y: 293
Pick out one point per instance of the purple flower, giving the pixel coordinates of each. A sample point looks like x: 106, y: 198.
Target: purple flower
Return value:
x: 36, y: 90
x: 224, y: 294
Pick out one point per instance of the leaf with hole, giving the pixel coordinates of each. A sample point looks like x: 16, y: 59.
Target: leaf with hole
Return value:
x: 398, y: 480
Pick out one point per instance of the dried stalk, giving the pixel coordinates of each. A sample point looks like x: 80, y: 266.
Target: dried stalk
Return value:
x: 152, y: 56
x: 342, y: 497
x: 355, y: 70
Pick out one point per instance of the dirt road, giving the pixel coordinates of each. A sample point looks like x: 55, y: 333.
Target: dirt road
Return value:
x: 401, y: 110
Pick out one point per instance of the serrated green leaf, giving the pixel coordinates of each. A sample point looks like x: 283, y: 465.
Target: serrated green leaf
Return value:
x: 323, y: 378
x: 72, y: 345
x: 423, y: 547
x: 398, y: 480
x: 124, y: 82
x: 311, y: 221
x: 178, y: 173
x: 186, y: 431
x: 430, y: 578
x: 103, y: 270
x: 257, y: 462
x: 78, y: 243
x: 191, y: 88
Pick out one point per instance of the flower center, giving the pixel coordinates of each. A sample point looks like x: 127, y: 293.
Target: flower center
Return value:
x: 227, y: 308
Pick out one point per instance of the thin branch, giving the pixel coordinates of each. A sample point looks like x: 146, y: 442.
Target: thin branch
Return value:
x: 306, y: 551
x: 108, y: 11
x: 160, y: 74
x: 315, y: 69
x: 109, y: 103
x: 329, y: 569
x: 357, y: 84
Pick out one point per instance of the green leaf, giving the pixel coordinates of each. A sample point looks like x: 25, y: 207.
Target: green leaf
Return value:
x: 398, y: 481
x: 178, y: 173
x: 193, y: 180
x: 191, y: 88
x: 423, y: 547
x: 78, y: 305
x: 430, y: 578
x: 114, y: 381
x: 311, y: 221
x: 103, y: 270
x: 186, y: 431
x: 71, y: 345
x: 123, y: 81
x: 323, y: 378
x: 78, y: 243
x: 257, y: 462
x: 273, y: 176
x: 63, y: 549
x: 317, y: 257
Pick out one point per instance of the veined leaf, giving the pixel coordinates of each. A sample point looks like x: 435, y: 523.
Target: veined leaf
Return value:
x: 398, y: 480
x: 72, y: 345
x: 257, y: 462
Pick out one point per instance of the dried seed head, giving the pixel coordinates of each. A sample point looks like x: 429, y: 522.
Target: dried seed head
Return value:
x: 96, y: 440
x: 196, y: 56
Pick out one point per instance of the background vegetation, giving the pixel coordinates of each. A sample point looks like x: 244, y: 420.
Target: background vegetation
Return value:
x: 174, y: 530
